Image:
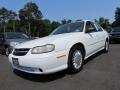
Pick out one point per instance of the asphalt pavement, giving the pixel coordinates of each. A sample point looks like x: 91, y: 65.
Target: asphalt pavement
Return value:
x: 100, y: 72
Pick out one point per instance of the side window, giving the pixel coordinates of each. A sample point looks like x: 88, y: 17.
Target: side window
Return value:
x: 90, y: 27
x: 99, y: 28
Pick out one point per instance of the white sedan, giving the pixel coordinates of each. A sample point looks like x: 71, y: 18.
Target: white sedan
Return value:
x: 65, y: 48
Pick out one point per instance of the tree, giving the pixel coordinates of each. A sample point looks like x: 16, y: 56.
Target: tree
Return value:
x: 55, y: 24
x: 47, y: 21
x: 48, y: 27
x: 116, y: 23
x: 104, y: 23
x: 6, y: 16
x: 29, y: 13
x: 44, y: 28
x: 64, y: 21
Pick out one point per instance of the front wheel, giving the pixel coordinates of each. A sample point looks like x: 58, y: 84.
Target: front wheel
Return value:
x: 75, y: 59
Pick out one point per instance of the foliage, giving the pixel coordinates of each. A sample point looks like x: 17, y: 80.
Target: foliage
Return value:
x: 104, y: 23
x: 30, y: 11
x: 30, y: 21
x: 116, y: 23
x: 5, y: 16
x: 28, y: 15
x: 64, y: 21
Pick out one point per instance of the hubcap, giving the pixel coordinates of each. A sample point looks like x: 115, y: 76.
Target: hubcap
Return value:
x: 107, y: 46
x: 7, y: 52
x: 77, y: 59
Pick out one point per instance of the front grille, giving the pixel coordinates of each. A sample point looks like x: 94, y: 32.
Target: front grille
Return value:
x: 21, y: 52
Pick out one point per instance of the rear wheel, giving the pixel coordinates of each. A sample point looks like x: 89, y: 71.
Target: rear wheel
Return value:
x: 75, y: 59
x: 7, y: 51
x: 106, y: 48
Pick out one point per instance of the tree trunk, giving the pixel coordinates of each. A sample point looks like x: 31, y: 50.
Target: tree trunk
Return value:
x: 4, y: 28
x: 29, y: 30
x: 13, y: 26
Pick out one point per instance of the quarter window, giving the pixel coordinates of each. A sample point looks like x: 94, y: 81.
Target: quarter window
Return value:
x: 99, y: 28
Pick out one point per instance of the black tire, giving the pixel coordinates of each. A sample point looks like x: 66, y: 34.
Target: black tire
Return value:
x: 106, y: 48
x: 6, y: 51
x: 111, y: 42
x: 15, y: 71
x: 71, y: 66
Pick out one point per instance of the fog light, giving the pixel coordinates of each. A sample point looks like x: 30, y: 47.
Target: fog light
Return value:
x: 40, y: 70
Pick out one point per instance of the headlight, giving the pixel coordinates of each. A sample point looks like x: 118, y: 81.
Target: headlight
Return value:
x: 13, y: 43
x: 43, y: 49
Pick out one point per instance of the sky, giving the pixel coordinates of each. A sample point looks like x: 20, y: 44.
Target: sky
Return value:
x: 69, y: 9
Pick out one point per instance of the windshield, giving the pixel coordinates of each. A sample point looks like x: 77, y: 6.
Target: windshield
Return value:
x: 68, y: 28
x: 16, y: 36
x: 116, y: 30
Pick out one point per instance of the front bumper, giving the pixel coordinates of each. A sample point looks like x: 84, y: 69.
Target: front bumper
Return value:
x: 40, y: 63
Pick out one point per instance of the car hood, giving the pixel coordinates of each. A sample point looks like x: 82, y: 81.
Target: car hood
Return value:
x: 42, y: 41
x: 17, y: 40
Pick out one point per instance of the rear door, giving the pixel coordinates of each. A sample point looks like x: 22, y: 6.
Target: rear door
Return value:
x: 100, y: 35
x: 91, y: 38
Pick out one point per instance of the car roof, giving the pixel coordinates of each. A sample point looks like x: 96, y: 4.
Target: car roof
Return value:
x: 82, y: 21
x: 78, y: 21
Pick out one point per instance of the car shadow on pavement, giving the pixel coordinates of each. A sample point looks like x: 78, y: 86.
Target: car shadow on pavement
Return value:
x: 93, y: 57
x: 2, y: 54
x: 41, y: 78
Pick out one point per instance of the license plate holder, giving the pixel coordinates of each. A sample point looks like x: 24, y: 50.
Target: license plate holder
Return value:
x: 15, y: 61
